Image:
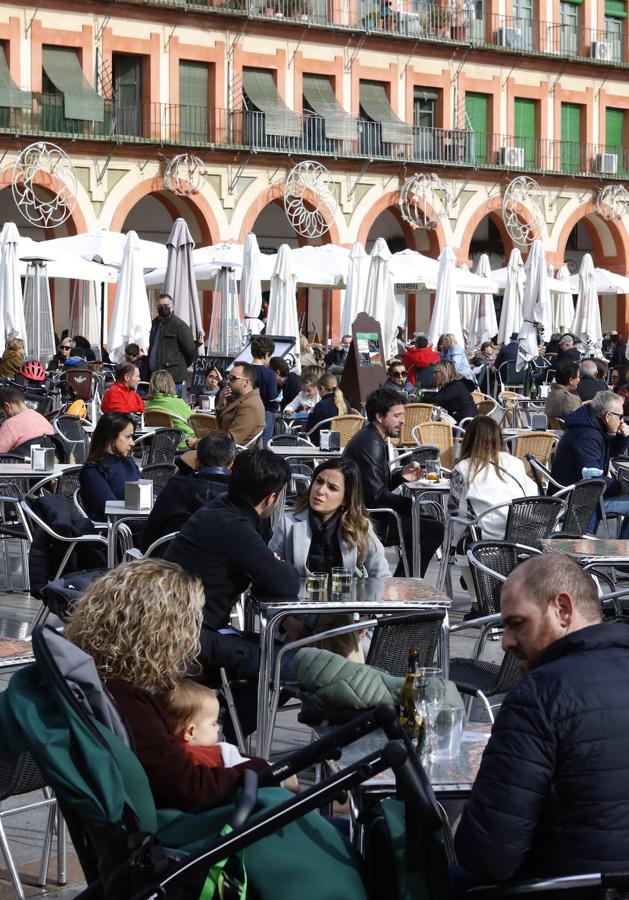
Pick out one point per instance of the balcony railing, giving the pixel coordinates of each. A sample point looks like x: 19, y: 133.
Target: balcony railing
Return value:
x: 196, y: 127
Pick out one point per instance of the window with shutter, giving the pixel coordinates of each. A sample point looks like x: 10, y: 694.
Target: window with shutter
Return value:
x: 525, y: 117
x: 570, y: 137
x: 477, y: 112
x: 194, y: 80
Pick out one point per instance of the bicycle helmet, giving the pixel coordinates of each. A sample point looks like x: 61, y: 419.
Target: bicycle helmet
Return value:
x: 33, y: 369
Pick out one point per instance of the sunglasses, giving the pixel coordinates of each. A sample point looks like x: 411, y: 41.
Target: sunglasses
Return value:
x: 399, y: 374
x: 237, y: 378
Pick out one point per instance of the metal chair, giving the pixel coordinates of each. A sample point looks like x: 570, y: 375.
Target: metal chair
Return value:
x: 21, y: 775
x: 421, y: 454
x: 414, y: 414
x: 73, y: 436
x: 13, y: 526
x: 289, y: 440
x: 252, y: 443
x: 438, y: 434
x: 160, y: 474
x: 400, y: 546
x: 540, y: 444
x: 65, y: 483
x: 157, y: 418
x: 84, y: 385
x: 159, y: 447
x: 394, y: 636
x: 202, y: 423
x: 136, y: 553
x: 509, y: 375
x: 347, y: 425
x: 532, y: 518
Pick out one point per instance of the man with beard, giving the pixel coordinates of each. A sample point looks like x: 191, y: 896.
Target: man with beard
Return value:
x: 369, y: 450
x: 550, y: 796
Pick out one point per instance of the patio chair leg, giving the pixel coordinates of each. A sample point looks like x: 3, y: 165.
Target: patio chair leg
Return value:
x: 7, y: 564
x: 62, y: 848
x: 233, y: 712
x: 42, y: 614
x: 26, y: 574
x: 8, y: 858
x: 484, y: 700
x: 47, y: 848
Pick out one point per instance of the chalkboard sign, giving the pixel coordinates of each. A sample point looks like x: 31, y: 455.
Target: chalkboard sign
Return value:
x: 364, y: 369
x: 202, y: 365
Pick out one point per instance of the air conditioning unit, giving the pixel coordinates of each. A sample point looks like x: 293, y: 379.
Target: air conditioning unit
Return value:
x: 606, y: 163
x: 511, y: 38
x: 512, y: 157
x: 603, y: 51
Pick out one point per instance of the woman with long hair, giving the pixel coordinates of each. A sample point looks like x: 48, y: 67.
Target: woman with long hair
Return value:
x: 329, y: 528
x: 452, y: 393
x: 332, y: 403
x: 109, y: 464
x: 450, y: 350
x: 141, y: 623
x: 162, y: 397
x: 486, y: 475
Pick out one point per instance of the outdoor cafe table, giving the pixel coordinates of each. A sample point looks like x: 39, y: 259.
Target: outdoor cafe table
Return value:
x: 116, y: 511
x: 590, y: 552
x: 371, y: 596
x: 305, y: 452
x: 439, y: 491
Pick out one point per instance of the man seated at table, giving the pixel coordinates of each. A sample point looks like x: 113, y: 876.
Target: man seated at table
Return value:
x: 594, y: 433
x: 21, y: 424
x: 240, y: 411
x: 369, y: 449
x: 122, y: 396
x: 222, y: 544
x: 550, y: 795
x: 203, y: 476
x: 563, y: 397
x: 591, y: 384
x: 567, y: 351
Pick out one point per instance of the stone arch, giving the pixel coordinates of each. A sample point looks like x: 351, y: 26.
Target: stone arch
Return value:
x: 275, y: 194
x: 390, y: 202
x: 76, y: 221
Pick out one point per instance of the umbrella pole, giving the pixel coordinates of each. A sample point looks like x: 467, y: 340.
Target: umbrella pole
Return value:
x: 102, y: 315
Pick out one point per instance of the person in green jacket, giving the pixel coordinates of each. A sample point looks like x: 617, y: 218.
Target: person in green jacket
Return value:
x: 162, y: 397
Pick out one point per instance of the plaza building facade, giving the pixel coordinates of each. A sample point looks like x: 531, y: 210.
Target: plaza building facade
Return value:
x: 477, y: 92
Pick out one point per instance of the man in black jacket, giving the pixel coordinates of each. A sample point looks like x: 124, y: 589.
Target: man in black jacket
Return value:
x: 287, y: 382
x: 222, y: 544
x: 190, y: 489
x: 171, y: 342
x: 368, y: 449
x: 590, y: 384
x: 550, y: 796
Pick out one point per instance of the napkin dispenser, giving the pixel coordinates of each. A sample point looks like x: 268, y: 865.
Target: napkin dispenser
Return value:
x: 329, y: 440
x: 138, y: 494
x: 42, y: 458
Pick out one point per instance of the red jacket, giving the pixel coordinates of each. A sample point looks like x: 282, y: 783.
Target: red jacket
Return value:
x: 419, y: 359
x: 120, y: 398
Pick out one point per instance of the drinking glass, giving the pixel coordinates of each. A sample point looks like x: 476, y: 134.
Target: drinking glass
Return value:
x: 317, y: 586
x: 342, y: 581
x: 433, y: 470
x: 428, y: 696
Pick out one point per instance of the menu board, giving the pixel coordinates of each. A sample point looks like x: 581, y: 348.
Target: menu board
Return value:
x: 368, y: 347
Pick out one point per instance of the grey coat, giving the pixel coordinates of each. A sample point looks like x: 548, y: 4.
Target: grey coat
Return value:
x: 293, y: 535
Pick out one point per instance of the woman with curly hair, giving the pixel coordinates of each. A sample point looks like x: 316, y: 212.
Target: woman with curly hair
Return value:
x: 141, y: 622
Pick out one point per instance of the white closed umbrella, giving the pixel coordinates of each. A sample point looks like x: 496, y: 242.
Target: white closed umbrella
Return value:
x: 12, y: 322
x: 356, y: 288
x: 282, y: 316
x: 467, y: 304
x: 251, y: 287
x: 511, y: 312
x: 536, y: 308
x: 586, y: 324
x: 131, y: 316
x: 225, y: 334
x: 179, y: 280
x: 446, y: 318
x: 483, y: 325
x: 380, y: 294
x: 563, y: 306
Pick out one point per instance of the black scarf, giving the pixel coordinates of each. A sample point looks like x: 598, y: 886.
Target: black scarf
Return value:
x: 325, y: 550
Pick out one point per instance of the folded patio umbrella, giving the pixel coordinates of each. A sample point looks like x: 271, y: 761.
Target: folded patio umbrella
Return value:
x: 483, y: 324
x: 563, y: 305
x: 536, y: 308
x: 586, y: 324
x: 446, y: 317
x: 225, y: 335
x: 282, y: 317
x: 131, y: 315
x: 354, y: 300
x: 12, y: 323
x: 251, y: 287
x: 511, y: 312
x: 179, y: 279
x: 380, y: 295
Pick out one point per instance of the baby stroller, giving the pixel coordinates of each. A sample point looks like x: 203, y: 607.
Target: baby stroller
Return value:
x: 59, y: 711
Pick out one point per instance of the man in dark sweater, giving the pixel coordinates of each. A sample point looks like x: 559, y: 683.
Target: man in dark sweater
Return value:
x: 288, y: 383
x: 262, y: 349
x: 222, y: 544
x: 549, y: 798
x: 191, y: 488
x: 590, y: 384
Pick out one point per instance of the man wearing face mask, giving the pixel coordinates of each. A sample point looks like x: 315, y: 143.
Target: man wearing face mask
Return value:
x: 171, y: 344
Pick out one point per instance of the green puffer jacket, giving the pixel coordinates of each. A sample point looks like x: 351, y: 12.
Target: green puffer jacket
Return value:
x: 176, y: 348
x: 338, y: 683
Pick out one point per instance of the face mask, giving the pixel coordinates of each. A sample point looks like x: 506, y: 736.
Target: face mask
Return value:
x: 163, y: 311
x: 345, y: 348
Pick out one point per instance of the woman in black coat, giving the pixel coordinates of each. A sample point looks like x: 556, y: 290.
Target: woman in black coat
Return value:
x: 332, y: 403
x: 452, y: 394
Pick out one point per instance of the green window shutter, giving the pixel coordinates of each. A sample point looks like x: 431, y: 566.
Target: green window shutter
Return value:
x: 614, y: 127
x: 193, y: 100
x: 570, y: 137
x: 616, y: 8
x: 477, y: 111
x: 524, y: 128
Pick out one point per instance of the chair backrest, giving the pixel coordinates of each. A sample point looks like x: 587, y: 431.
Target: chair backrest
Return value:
x: 157, y: 418
x: 347, y: 425
x: 420, y: 454
x: 414, y: 414
x: 202, y: 423
x: 19, y: 775
x: 532, y: 518
x: 486, y: 407
x: 424, y: 376
x: 395, y: 635
x: 160, y: 474
x: 509, y: 673
x: 583, y: 502
x: 83, y: 383
x: 252, y: 443
x: 500, y: 558
x: 510, y: 375
x: 477, y: 397
x: 438, y: 434
x: 162, y: 447
x: 556, y: 423
x: 289, y: 440
x: 73, y: 436
x: 540, y: 444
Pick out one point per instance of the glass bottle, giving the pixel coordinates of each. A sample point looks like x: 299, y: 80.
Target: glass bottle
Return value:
x: 407, y: 696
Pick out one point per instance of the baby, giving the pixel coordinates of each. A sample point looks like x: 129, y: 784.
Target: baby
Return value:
x: 306, y: 399
x: 193, y: 712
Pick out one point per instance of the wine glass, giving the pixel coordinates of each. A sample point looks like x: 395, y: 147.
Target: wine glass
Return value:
x: 429, y: 693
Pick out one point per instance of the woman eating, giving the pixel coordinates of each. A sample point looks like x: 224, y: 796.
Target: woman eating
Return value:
x: 108, y: 465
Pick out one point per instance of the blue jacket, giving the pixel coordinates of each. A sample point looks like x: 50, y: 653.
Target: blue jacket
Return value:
x: 457, y: 357
x: 104, y: 481
x: 267, y: 385
x: 552, y: 793
x: 585, y: 443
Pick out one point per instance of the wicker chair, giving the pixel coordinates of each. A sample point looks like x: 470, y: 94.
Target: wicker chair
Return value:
x: 540, y: 444
x: 157, y: 418
x: 437, y: 434
x: 508, y: 401
x: 414, y: 414
x: 202, y: 423
x: 486, y: 407
x: 160, y: 474
x: 556, y: 423
x: 347, y: 425
x: 20, y: 775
